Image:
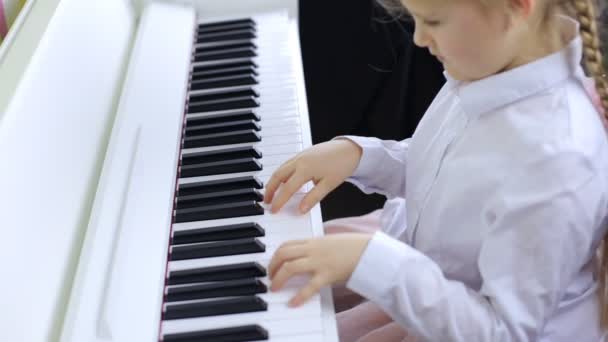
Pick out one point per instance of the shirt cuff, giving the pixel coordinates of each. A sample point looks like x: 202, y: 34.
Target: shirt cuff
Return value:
x: 379, y: 266
x: 368, y: 163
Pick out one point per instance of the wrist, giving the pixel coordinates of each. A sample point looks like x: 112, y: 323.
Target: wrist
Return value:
x: 357, y: 150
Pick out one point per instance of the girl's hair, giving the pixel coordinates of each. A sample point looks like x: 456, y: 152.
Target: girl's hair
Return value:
x: 587, y: 12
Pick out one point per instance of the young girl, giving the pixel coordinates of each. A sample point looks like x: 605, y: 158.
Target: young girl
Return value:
x: 503, y: 187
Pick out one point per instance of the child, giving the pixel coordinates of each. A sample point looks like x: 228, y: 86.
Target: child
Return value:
x: 504, y: 185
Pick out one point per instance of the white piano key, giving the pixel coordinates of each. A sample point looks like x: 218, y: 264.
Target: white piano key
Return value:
x: 270, y: 132
x: 269, y: 221
x: 267, y: 171
x: 275, y: 160
x: 299, y: 338
x: 272, y: 87
x: 282, y: 296
x: 276, y: 234
x: 277, y: 112
x: 288, y: 111
x: 262, y: 258
x: 268, y: 142
x: 218, y: 90
x: 277, y: 133
x: 272, y: 108
x: 288, y: 212
x: 293, y: 121
x: 277, y: 308
x: 291, y: 148
x: 275, y: 312
x: 265, y: 112
x: 290, y: 108
x: 267, y: 150
x: 284, y: 99
x: 280, y: 328
x: 280, y: 131
x: 286, y: 119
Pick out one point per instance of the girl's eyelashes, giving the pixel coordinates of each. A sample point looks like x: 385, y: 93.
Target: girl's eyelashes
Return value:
x: 432, y: 23
x: 427, y: 22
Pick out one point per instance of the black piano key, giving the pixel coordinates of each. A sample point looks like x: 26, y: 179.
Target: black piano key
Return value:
x: 226, y: 34
x: 233, y: 334
x: 206, y: 56
x: 223, y: 127
x: 233, y: 44
x: 223, y: 104
x: 216, y: 248
x: 215, y: 307
x: 246, y: 70
x: 220, y: 95
x: 220, y: 167
x: 204, y: 26
x: 227, y: 27
x: 220, y: 211
x: 230, y: 288
x: 224, y: 138
x: 218, y: 233
x: 216, y: 273
x: 224, y: 65
x: 208, y: 37
x: 208, y: 119
x: 224, y: 82
x: 219, y: 185
x: 230, y: 196
x: 221, y: 155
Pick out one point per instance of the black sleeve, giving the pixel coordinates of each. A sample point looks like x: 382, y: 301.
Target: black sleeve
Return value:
x: 364, y: 76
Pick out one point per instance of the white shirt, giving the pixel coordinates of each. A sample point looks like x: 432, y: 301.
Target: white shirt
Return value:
x: 506, y: 187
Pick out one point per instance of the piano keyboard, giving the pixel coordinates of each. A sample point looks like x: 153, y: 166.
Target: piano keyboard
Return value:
x: 184, y: 126
x: 241, y: 122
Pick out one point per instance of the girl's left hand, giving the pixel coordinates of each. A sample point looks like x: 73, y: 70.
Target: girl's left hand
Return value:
x: 329, y: 259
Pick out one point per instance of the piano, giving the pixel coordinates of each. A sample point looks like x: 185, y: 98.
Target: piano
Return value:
x: 135, y: 141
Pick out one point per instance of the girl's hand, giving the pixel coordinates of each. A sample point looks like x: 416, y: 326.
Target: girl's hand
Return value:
x: 329, y: 259
x: 327, y: 165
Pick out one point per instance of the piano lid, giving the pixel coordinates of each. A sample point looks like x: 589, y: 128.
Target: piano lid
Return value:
x: 53, y: 137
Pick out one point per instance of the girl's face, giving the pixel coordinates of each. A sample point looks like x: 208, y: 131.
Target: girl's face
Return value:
x: 471, y: 41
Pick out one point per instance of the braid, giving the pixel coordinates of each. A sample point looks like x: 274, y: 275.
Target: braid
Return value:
x: 594, y: 63
x: 585, y: 13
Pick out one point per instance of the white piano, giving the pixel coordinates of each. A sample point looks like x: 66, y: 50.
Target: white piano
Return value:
x: 135, y: 139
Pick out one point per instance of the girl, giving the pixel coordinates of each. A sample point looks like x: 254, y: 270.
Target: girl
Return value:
x: 505, y: 181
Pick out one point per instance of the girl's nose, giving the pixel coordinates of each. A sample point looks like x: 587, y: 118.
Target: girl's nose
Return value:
x: 421, y: 38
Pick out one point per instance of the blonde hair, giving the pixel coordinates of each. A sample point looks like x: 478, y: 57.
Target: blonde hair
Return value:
x: 586, y: 12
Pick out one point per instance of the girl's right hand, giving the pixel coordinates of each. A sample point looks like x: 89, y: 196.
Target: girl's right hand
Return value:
x: 327, y: 164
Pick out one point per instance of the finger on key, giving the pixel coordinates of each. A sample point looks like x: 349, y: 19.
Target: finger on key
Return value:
x: 290, y: 269
x: 284, y: 253
x: 314, y: 196
x: 313, y: 287
x: 278, y: 177
x: 293, y: 184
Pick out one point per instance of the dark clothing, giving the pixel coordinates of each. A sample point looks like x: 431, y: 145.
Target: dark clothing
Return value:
x: 364, y: 76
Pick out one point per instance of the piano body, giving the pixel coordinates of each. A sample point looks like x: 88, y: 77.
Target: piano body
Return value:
x: 135, y: 139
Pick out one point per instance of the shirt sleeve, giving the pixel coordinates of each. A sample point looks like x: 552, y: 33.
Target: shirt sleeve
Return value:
x: 390, y: 155
x: 393, y: 219
x: 537, y: 234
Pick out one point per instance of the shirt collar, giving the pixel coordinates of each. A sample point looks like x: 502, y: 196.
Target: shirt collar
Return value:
x: 495, y: 91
